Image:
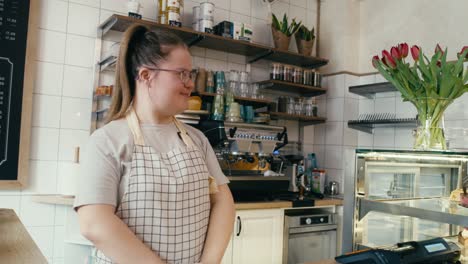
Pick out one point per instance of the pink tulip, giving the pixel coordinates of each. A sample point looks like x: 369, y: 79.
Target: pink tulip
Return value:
x: 375, y: 61
x: 463, y: 50
x: 415, y: 52
x: 403, y: 47
x: 438, y: 49
x: 395, y: 53
x: 388, y: 59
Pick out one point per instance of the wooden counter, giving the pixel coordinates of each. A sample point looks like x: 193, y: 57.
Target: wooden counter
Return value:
x: 16, y: 245
x: 284, y: 204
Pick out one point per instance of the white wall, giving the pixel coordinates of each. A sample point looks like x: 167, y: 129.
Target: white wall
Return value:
x: 62, y: 99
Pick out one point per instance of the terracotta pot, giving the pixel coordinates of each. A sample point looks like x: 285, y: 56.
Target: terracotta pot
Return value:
x: 280, y: 39
x: 304, y: 47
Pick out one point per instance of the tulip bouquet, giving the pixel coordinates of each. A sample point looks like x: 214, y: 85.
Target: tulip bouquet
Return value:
x: 431, y: 85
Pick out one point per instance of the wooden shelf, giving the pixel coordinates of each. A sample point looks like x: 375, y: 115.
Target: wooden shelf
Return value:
x: 309, y: 119
x: 253, y: 51
x: 238, y: 98
x: 54, y: 199
x: 303, y: 90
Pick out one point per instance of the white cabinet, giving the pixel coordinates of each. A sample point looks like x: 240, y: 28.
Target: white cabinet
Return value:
x: 257, y: 237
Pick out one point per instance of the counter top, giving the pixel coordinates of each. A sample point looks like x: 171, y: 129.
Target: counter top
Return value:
x: 17, y: 245
x: 285, y: 204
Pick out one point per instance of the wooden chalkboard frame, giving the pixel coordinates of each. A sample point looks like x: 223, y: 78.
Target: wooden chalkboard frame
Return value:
x: 26, y: 109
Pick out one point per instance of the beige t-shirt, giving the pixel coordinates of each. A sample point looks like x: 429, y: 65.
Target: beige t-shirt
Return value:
x: 105, y: 168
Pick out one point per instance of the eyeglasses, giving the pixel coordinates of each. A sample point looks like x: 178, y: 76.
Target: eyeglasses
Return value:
x: 184, y: 75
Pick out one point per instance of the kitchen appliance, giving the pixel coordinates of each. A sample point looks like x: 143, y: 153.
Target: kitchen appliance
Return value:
x: 310, y: 235
x: 333, y: 188
x: 423, y: 252
x: 402, y: 191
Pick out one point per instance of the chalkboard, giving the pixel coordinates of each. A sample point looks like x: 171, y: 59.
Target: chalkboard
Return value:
x: 14, y: 18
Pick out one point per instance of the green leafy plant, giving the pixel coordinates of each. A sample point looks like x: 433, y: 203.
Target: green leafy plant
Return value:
x: 304, y: 33
x: 431, y: 85
x: 284, y: 26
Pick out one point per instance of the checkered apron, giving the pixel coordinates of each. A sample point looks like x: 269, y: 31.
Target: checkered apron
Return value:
x: 166, y: 203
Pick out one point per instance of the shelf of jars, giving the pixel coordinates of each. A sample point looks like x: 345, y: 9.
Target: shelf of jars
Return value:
x: 296, y: 88
x: 253, y: 51
x: 248, y: 100
x: 369, y: 90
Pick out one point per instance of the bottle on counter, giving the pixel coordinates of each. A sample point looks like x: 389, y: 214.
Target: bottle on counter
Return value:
x: 218, y: 104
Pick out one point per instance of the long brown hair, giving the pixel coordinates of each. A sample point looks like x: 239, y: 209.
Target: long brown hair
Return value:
x: 140, y: 46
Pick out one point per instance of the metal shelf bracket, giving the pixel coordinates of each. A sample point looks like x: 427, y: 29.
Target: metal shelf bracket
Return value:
x: 260, y: 56
x: 195, y: 40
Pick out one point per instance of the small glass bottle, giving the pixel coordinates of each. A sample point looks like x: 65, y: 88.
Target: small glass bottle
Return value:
x: 218, y: 104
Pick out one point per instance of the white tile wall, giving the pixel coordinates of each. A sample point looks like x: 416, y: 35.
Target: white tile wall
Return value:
x: 62, y: 100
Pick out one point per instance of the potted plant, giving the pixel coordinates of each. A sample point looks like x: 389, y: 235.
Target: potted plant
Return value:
x: 305, y: 40
x: 430, y: 84
x: 282, y: 31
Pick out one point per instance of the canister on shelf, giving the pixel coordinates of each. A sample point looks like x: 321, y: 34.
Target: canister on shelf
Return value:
x: 162, y: 11
x: 200, y: 83
x: 196, y: 14
x: 173, y: 18
x: 210, y: 84
x: 287, y: 72
x: 317, y: 79
x: 207, y: 10
x: 206, y: 25
x: 297, y: 75
x: 275, y: 73
x: 308, y: 77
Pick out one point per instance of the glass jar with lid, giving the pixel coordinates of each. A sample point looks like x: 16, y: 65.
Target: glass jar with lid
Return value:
x: 298, y: 75
x: 288, y: 73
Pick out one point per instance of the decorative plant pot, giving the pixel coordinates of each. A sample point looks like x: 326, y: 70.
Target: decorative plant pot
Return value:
x: 430, y: 133
x: 280, y: 39
x: 304, y: 47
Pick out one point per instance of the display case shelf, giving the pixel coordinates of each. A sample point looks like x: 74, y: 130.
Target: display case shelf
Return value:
x: 253, y: 51
x: 432, y: 209
x: 369, y: 90
x: 368, y: 126
x: 300, y: 89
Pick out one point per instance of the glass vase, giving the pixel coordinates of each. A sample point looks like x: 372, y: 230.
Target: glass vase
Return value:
x: 430, y: 133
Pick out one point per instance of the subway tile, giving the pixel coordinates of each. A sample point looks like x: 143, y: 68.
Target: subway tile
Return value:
x: 351, y: 109
x: 335, y: 109
x: 308, y: 136
x: 220, y: 15
x: 404, y: 138
x: 279, y: 8
x: 333, y: 157
x: 67, y: 173
x: 198, y: 62
x: 80, y: 51
x: 350, y: 136
x: 82, y: 20
x: 366, y: 106
x: 300, y: 3
x: 216, y: 55
x: 51, y: 46
x: 11, y: 202
x: 312, y: 5
x: 385, y: 105
x: 148, y: 9
x: 367, y: 79
x: 379, y: 78
x: 59, y: 241
x: 334, y: 133
x: 77, y: 254
x: 118, y: 6
x: 365, y: 140
x: 42, y: 177
x: 457, y: 110
x: 322, y: 108
x: 43, y: 236
x: 44, y: 143
x: 105, y: 14
x: 215, y: 65
x: 69, y: 140
x: 260, y: 10
x: 384, y: 137
x: 92, y: 3
x: 311, y: 21
x: 46, y: 111
x: 61, y: 214
x: 351, y: 80
x: 261, y: 32
x: 78, y: 82
x: 240, y: 59
x: 188, y: 18
x: 336, y: 86
x: 405, y: 109
x: 49, y: 78
x: 306, y: 149
x: 319, y: 134
x: 53, y: 15
x: 197, y: 51
x: 241, y: 18
x: 36, y: 214
x: 298, y: 13
x: 293, y: 130
x: 335, y: 175
x: 76, y: 113
x: 58, y: 261
x: 224, y: 4
x: 259, y: 74
x: 236, y: 66
x: 241, y: 7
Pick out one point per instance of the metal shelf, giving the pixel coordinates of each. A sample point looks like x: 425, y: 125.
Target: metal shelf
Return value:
x: 303, y: 90
x: 368, y: 126
x: 253, y: 51
x: 369, y: 90
x: 432, y: 209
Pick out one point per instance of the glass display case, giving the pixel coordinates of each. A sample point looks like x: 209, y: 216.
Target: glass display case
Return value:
x: 398, y: 196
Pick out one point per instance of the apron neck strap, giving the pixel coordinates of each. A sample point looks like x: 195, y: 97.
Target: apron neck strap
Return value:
x: 134, y: 125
